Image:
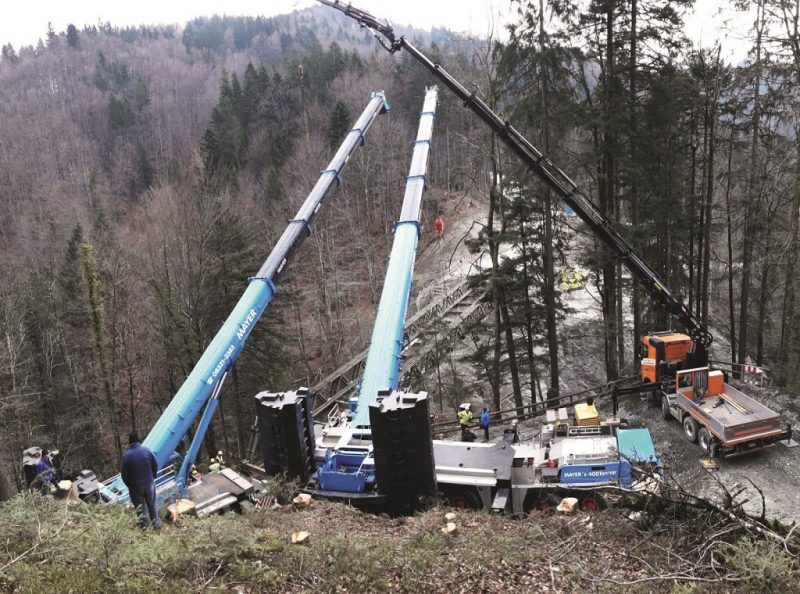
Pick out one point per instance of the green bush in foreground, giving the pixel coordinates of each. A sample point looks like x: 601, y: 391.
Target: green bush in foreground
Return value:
x: 762, y: 566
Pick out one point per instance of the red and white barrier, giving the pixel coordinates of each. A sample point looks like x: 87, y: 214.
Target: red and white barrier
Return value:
x: 752, y: 374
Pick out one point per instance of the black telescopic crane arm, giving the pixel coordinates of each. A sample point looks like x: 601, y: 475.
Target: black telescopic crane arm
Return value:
x: 545, y: 169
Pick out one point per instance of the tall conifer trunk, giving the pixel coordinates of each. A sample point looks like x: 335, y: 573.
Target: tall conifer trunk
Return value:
x: 547, y: 251
x: 751, y: 206
x: 636, y: 297
x: 712, y: 139
x: 607, y: 201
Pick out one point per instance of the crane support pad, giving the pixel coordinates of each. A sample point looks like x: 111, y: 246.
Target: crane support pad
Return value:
x: 218, y: 490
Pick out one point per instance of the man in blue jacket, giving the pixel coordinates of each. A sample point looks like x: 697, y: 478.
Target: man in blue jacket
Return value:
x: 139, y: 470
x: 45, y: 473
x: 486, y: 417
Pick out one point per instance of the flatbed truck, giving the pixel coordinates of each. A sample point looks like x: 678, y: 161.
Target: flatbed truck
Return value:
x: 724, y: 421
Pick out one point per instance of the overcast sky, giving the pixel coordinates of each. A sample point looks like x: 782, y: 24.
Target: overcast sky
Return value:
x: 23, y: 23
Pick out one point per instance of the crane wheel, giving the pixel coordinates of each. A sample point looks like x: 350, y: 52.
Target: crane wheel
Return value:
x: 690, y: 428
x: 462, y: 498
x: 665, y: 411
x: 704, y: 440
x: 592, y: 504
x: 540, y: 505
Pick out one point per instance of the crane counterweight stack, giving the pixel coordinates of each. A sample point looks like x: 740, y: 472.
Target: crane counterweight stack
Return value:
x: 202, y: 386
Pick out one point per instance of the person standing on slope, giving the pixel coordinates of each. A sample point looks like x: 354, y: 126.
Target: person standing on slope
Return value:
x: 464, y: 419
x: 45, y: 473
x: 138, y: 471
x: 486, y: 417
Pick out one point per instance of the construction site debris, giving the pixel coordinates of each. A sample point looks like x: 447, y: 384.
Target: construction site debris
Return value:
x: 302, y: 501
x: 179, y: 508
x: 300, y: 537
x: 567, y: 505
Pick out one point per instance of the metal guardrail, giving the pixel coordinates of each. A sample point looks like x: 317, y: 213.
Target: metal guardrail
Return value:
x: 538, y: 409
x: 757, y: 375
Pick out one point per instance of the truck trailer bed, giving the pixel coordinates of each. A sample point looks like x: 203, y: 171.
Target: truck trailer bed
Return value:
x: 732, y: 416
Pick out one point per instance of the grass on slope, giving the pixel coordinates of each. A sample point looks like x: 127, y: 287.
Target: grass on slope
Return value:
x: 49, y: 546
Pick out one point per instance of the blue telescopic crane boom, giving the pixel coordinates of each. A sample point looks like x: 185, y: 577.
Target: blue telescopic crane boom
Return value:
x: 201, y: 387
x: 383, y: 358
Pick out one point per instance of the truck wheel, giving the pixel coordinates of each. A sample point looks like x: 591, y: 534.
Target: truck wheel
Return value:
x: 665, y: 411
x: 704, y: 440
x: 462, y: 498
x: 592, y: 504
x: 690, y: 428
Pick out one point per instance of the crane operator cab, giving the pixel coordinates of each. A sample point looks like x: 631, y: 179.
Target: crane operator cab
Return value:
x: 663, y: 354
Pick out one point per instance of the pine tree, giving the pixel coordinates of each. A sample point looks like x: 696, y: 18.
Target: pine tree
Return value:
x: 51, y: 35
x: 141, y: 93
x: 338, y: 124
x: 9, y: 55
x: 120, y: 114
x: 144, y: 173
x: 72, y: 36
x: 225, y: 141
x: 541, y: 97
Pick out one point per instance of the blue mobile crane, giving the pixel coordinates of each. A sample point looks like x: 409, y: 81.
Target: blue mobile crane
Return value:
x: 352, y: 457
x: 199, y: 394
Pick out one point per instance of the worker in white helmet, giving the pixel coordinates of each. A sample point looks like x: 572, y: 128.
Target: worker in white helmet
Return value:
x: 464, y: 419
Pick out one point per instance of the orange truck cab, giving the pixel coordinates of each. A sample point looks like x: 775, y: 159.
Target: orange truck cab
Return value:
x: 663, y: 354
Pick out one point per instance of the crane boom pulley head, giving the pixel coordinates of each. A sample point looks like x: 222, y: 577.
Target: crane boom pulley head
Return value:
x: 383, y: 31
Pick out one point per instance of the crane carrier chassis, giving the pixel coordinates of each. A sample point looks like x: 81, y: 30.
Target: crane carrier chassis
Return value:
x: 566, y: 459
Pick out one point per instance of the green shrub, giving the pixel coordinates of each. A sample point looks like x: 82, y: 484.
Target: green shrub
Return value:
x: 762, y: 566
